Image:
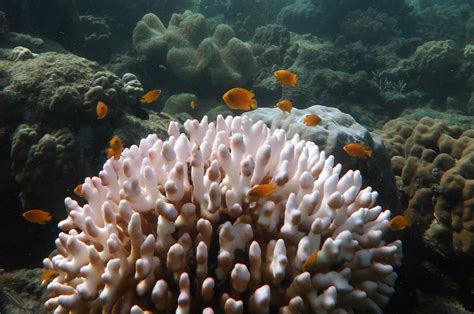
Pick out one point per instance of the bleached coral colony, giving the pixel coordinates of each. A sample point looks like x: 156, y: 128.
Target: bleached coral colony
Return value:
x: 170, y: 226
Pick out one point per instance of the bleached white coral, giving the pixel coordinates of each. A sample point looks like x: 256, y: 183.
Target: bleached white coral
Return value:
x: 170, y: 226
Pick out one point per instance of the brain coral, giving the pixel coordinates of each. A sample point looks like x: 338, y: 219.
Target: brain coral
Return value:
x: 171, y: 226
x: 190, y: 54
x: 434, y: 166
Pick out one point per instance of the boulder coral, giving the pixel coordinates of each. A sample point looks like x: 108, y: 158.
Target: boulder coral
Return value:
x: 33, y: 84
x: 324, y: 17
x: 369, y: 26
x: 178, y: 225
x: 433, y: 162
x: 436, y: 59
x: 433, y: 67
x: 120, y: 94
x: 37, y: 157
x: 335, y: 130
x: 192, y: 56
x: 57, y: 87
x: 179, y: 103
x: 62, y: 90
x: 445, y: 21
x: 97, y: 33
x: 324, y: 72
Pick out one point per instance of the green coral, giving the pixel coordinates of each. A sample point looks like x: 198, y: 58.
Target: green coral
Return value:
x: 192, y: 56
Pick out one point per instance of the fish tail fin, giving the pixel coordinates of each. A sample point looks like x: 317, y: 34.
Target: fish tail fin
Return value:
x: 369, y: 153
x: 253, y: 104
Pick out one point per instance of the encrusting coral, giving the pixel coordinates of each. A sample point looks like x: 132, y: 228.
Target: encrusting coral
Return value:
x: 180, y: 225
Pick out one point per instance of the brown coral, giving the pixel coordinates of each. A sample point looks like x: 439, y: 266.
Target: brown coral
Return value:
x: 434, y: 166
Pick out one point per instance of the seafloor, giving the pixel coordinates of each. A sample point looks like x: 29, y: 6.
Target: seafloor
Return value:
x: 402, y: 70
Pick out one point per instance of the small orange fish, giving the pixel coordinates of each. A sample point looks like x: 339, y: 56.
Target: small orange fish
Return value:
x: 311, y: 119
x: 37, y: 216
x: 101, y: 110
x: 151, y: 96
x: 193, y: 104
x: 78, y: 190
x: 285, y: 105
x: 47, y: 275
x: 261, y: 190
x: 115, y: 148
x: 358, y: 150
x: 399, y: 223
x: 286, y: 77
x: 240, y: 98
x: 310, y: 261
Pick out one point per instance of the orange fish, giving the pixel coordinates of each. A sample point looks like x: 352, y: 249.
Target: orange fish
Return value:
x: 37, y: 216
x: 310, y: 261
x: 115, y: 148
x: 240, y: 98
x: 399, y: 223
x: 151, y: 96
x: 286, y: 77
x: 311, y: 119
x: 193, y: 104
x: 101, y: 110
x: 358, y: 150
x: 285, y: 105
x: 261, y: 190
x: 78, y: 190
x: 48, y: 274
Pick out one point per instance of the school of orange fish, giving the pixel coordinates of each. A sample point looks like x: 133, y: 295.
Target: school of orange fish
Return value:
x: 237, y: 98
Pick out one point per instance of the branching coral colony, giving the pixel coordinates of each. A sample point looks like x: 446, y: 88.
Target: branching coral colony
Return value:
x: 171, y: 226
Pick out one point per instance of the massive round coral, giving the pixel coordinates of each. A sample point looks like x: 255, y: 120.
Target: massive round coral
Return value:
x: 433, y: 163
x: 171, y: 226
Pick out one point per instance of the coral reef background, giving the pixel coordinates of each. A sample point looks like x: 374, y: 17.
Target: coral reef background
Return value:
x: 401, y: 70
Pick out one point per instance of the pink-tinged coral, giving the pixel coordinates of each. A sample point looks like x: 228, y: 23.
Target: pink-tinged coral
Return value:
x: 170, y: 227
